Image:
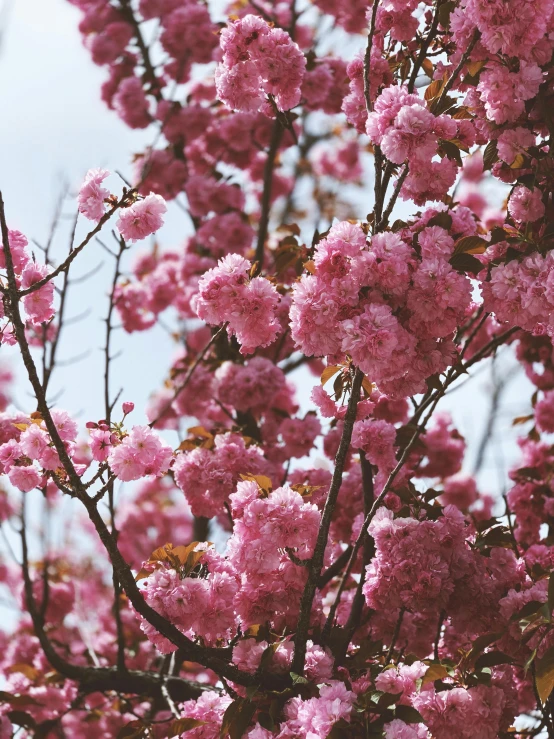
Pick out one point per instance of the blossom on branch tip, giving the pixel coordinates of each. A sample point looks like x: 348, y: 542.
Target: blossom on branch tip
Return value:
x: 142, y: 218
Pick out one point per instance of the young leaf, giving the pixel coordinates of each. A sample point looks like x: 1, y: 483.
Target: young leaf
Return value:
x: 180, y: 725
x: 544, y: 674
x: 237, y: 718
x: 434, y: 672
x: 490, y: 155
x: 329, y: 372
x: 470, y: 245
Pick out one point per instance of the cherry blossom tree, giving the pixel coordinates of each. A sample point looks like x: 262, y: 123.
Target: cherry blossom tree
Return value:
x: 359, y: 584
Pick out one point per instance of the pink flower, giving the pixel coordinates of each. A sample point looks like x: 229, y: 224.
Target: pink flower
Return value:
x: 513, y: 142
x: 10, y: 452
x: 139, y: 454
x: 39, y: 303
x: 33, y: 441
x: 259, y: 60
x: 142, y: 218
x: 24, y: 478
x: 92, y: 196
x: 100, y: 444
x: 526, y: 205
x: 66, y: 426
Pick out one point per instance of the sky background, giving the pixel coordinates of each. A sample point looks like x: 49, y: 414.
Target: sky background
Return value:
x: 53, y: 128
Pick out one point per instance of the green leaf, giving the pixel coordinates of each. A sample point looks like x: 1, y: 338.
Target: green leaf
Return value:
x: 388, y: 699
x: 408, y: 714
x: 445, y: 11
x: 466, y: 263
x: 298, y: 679
x: 452, y: 151
x: 490, y: 155
x: 21, y: 718
x: 491, y: 659
x: 237, y: 718
x: 338, y: 730
x: 442, y: 219
x: 529, y: 609
x: 497, y: 234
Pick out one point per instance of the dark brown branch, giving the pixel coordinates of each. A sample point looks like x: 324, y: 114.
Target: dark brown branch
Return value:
x: 367, y: 96
x: 316, y: 563
x: 425, y: 47
x: 108, y: 408
x: 156, y: 88
x: 215, y: 659
x: 395, y: 635
x: 394, y: 197
x: 334, y: 569
x: 437, y: 105
x: 276, y: 137
x: 64, y: 266
x: 100, y: 679
x: 442, y: 616
x: 192, y: 369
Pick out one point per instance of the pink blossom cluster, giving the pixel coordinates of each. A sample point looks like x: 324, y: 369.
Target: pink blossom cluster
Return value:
x: 259, y: 62
x: 443, y: 448
x: 248, y: 654
x: 520, y: 292
x: 38, y: 304
x: 377, y: 439
x: 209, y: 476
x: 376, y: 300
x: 265, y: 526
x: 315, y: 717
x: 92, y: 196
x: 325, y: 84
x: 188, y: 37
x: 458, y: 711
x: 354, y: 104
x: 530, y: 497
x: 502, y: 93
x: 507, y: 27
x: 155, y: 501
x: 248, y: 306
x: 199, y: 602
x: 249, y: 386
x: 341, y: 162
x: 27, y: 451
x: 408, y: 132
x: 142, y: 218
x: 417, y: 563
x: 139, y: 454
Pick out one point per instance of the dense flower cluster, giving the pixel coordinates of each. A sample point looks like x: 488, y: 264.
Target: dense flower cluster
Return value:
x: 371, y: 299
x: 259, y: 62
x: 360, y: 581
x: 248, y: 306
